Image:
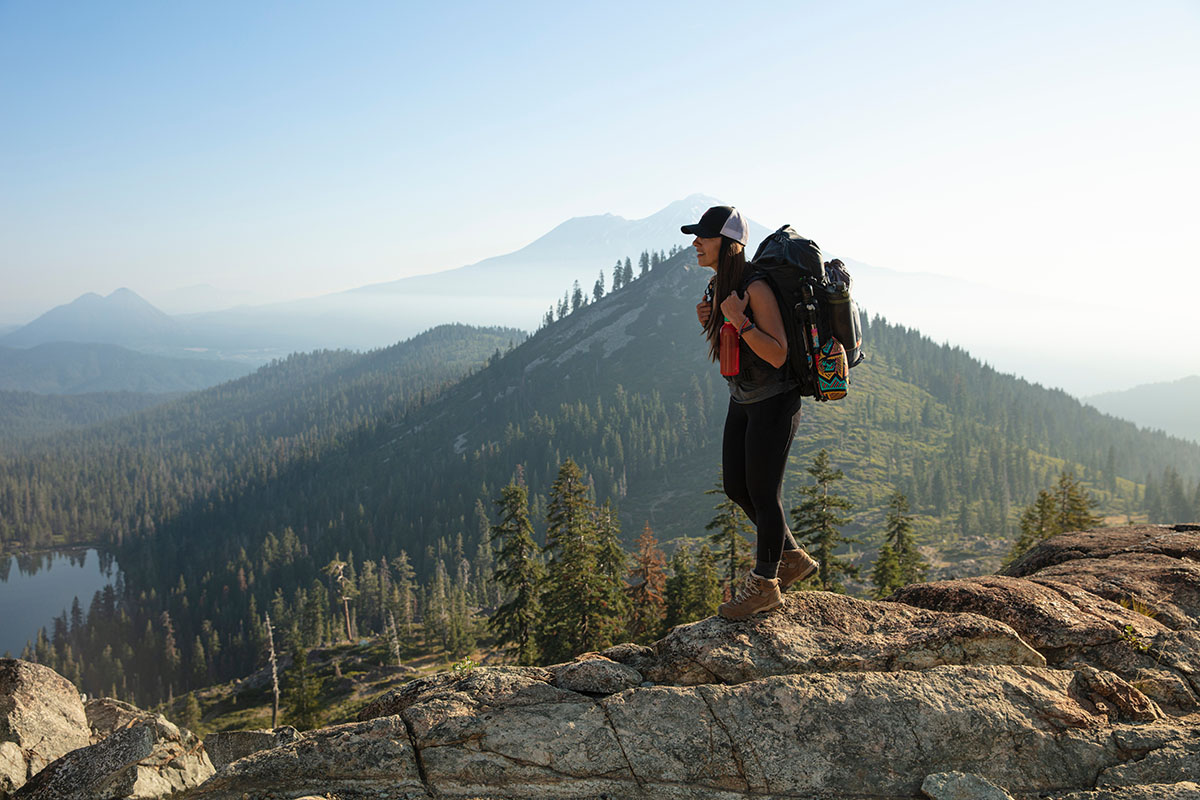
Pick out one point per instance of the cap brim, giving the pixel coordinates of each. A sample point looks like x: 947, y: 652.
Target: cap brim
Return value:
x: 699, y: 230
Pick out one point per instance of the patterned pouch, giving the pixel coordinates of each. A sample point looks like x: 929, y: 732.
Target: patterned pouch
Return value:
x: 831, y: 371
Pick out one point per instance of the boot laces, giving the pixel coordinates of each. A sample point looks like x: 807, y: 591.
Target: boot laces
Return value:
x: 747, y: 588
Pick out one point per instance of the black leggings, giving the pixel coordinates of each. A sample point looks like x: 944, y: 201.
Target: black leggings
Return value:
x: 754, y: 455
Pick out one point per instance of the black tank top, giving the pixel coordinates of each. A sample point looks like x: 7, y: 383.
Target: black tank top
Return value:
x: 757, y: 379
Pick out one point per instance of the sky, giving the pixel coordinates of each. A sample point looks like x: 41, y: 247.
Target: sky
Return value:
x: 289, y: 149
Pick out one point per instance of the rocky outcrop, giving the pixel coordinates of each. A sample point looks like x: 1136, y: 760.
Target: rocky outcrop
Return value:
x: 226, y: 747
x: 1066, y: 679
x: 1125, y: 600
x: 106, y: 716
x: 824, y: 632
x: 41, y: 718
x: 150, y: 759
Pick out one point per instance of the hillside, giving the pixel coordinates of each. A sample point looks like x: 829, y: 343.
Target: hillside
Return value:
x: 63, y: 367
x: 25, y: 415
x: 134, y: 474
x: 1169, y: 407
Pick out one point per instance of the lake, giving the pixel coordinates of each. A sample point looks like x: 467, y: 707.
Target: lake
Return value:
x: 37, y: 587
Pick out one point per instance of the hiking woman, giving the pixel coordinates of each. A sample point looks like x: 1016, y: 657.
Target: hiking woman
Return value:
x: 764, y: 407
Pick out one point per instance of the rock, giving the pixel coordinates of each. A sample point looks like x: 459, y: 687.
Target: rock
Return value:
x: 150, y: 759
x: 824, y: 632
x: 1168, y: 763
x: 594, y: 674
x: 107, y: 715
x: 961, y: 786
x: 228, y: 746
x: 367, y: 757
x: 1167, y: 588
x: 41, y: 719
x: 1056, y: 619
x: 1184, y: 790
x: 1177, y: 541
x: 486, y: 685
x: 497, y: 732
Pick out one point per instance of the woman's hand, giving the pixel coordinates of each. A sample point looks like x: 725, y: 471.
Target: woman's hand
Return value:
x: 704, y: 312
x: 734, y: 308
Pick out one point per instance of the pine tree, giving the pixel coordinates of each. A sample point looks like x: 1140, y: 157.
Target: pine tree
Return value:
x: 886, y: 572
x: 611, y: 566
x: 679, y: 588
x: 899, y: 534
x: 647, y: 590
x: 598, y: 288
x: 303, y: 691
x: 731, y: 535
x: 190, y: 715
x: 618, y: 276
x: 1069, y: 508
x: 706, y: 587
x: 519, y: 573
x: 578, y: 608
x: 576, y: 297
x: 1074, y: 504
x: 817, y: 522
x: 643, y: 263
x: 627, y: 273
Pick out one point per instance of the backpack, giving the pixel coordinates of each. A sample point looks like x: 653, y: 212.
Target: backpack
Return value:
x: 822, y: 322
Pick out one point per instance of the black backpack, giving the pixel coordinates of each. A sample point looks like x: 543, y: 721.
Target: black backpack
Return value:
x: 822, y: 323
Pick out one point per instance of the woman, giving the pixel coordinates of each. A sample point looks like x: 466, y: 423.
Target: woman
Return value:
x: 764, y: 407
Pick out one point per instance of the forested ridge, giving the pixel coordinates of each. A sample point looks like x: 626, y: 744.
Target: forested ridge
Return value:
x: 329, y: 457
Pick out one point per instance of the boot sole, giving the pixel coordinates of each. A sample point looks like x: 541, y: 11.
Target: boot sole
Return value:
x: 762, y: 610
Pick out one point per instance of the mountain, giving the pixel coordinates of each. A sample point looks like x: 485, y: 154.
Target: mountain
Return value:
x: 512, y: 290
x: 76, y: 368
x: 1170, y: 407
x: 121, y: 318
x: 574, y: 250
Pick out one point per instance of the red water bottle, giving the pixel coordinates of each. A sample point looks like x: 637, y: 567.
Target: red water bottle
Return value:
x: 730, y: 352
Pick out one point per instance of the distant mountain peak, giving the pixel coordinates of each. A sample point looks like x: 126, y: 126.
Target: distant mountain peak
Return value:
x: 123, y: 317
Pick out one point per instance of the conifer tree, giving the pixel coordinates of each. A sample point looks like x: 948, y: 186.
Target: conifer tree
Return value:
x: 578, y: 608
x: 817, y: 522
x: 618, y: 276
x: 643, y: 263
x: 731, y: 531
x: 627, y: 273
x: 706, y: 591
x: 611, y: 565
x: 404, y: 581
x: 647, y: 590
x: 886, y: 572
x: 1074, y: 504
x: 1069, y: 508
x: 519, y: 573
x: 576, y: 297
x: 598, y: 288
x: 304, y: 691
x: 679, y: 587
x: 899, y: 534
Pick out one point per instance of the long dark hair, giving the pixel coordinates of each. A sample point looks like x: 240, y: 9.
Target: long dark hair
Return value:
x: 731, y: 271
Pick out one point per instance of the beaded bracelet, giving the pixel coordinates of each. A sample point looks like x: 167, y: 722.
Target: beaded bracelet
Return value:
x: 746, y: 326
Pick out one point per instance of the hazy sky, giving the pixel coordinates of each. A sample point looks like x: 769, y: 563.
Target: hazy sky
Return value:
x: 293, y: 148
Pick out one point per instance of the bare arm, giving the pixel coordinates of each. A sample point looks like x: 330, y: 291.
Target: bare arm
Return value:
x: 767, y: 339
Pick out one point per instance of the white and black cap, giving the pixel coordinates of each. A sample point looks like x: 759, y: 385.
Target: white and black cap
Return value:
x: 724, y: 221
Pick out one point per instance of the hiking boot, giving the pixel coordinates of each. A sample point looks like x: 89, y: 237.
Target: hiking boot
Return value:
x: 795, y: 565
x: 755, y: 595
